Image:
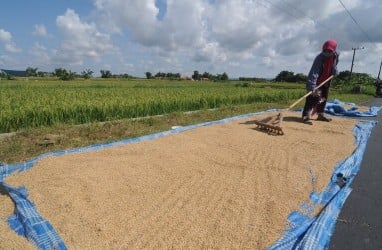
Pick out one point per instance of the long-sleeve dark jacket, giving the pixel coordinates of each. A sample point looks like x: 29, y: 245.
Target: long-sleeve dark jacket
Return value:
x: 317, y: 68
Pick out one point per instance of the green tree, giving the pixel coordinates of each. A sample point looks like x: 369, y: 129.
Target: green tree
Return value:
x: 31, y: 71
x: 68, y: 75
x: 285, y: 76
x: 41, y: 74
x: 149, y: 75
x: 300, y: 77
x: 224, y: 77
x: 59, y: 72
x: 206, y: 75
x: 196, y: 75
x: 344, y: 75
x: 106, y: 73
x: 160, y: 75
x: 3, y: 74
x: 86, y: 74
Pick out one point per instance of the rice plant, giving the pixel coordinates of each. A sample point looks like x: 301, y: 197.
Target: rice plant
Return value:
x: 49, y: 102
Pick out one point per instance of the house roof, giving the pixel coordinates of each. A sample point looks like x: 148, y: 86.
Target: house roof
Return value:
x: 14, y: 72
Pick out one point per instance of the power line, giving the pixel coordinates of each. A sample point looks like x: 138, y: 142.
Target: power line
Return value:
x: 282, y: 9
x: 304, y: 14
x: 307, y: 16
x: 294, y: 10
x: 355, y: 21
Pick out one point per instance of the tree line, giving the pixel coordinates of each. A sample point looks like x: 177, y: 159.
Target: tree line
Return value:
x: 66, y: 75
x: 344, y: 77
x: 195, y: 76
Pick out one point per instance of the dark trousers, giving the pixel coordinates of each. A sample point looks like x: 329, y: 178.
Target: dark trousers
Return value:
x: 316, y: 104
x: 378, y: 91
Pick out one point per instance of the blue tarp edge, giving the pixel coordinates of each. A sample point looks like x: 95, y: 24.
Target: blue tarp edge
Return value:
x: 315, y: 233
x: 337, y: 108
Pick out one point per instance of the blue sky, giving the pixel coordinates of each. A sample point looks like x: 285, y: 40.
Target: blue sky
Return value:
x: 240, y: 37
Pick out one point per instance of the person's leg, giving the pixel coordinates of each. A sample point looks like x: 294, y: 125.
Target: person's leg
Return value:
x: 310, y: 102
x: 321, y: 105
x: 379, y: 90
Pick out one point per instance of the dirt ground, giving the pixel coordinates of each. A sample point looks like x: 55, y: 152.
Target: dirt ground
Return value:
x: 225, y: 186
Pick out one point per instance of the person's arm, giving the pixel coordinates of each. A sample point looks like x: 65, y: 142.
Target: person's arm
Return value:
x: 314, y: 73
x: 336, y: 59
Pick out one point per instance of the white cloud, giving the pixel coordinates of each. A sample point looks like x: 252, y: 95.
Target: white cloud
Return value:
x: 41, y: 54
x: 9, y: 45
x: 210, y: 53
x: 180, y: 28
x: 10, y: 62
x: 80, y: 40
x: 138, y: 17
x: 40, y: 30
x: 236, y: 27
x: 3, y: 59
x: 5, y: 36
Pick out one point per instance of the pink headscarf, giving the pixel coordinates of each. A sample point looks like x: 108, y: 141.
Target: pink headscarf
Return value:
x: 328, y: 61
x: 330, y: 45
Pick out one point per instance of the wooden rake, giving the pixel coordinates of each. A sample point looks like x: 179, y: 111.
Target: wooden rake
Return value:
x: 273, y: 124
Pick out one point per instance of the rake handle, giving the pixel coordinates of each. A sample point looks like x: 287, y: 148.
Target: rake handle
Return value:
x: 310, y: 92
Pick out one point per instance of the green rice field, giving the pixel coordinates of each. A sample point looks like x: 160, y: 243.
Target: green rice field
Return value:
x: 35, y: 103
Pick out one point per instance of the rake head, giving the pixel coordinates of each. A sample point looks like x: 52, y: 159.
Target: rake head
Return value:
x: 271, y: 125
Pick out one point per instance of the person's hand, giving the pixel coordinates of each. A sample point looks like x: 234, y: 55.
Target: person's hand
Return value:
x: 316, y: 93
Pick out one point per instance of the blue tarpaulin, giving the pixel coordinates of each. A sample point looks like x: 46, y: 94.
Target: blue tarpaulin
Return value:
x: 27, y: 222
x: 336, y: 107
x: 315, y: 232
x: 305, y: 232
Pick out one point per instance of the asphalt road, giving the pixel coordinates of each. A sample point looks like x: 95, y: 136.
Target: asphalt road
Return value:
x: 359, y: 225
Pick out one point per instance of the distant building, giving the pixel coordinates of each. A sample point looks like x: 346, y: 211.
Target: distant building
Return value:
x: 14, y: 72
x: 184, y: 77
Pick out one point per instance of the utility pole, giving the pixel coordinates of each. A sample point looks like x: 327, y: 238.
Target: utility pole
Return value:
x: 352, y: 62
x: 380, y: 66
